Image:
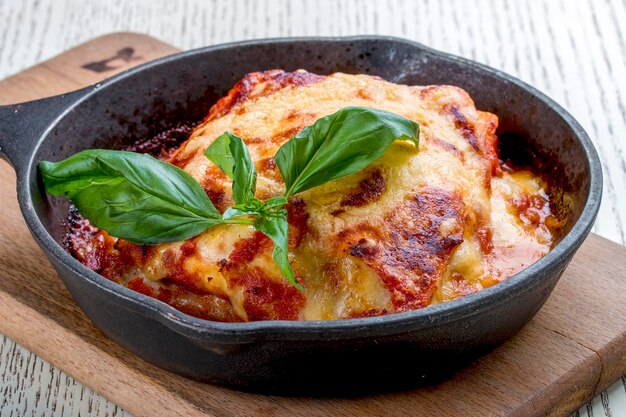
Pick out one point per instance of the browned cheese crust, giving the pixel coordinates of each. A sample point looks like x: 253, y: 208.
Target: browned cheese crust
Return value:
x: 413, y: 229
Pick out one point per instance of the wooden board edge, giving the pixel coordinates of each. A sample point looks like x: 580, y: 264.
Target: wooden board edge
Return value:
x: 24, y: 330
x: 135, y: 49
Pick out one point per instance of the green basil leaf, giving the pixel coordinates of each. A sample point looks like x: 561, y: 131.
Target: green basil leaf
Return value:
x: 132, y: 196
x: 274, y: 225
x: 339, y: 145
x: 219, y: 153
x: 277, y: 201
x: 230, y: 153
x: 233, y: 212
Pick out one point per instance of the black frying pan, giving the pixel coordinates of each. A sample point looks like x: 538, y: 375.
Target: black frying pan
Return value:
x: 332, y: 356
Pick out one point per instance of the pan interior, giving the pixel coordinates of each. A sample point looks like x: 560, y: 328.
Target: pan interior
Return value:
x: 142, y: 103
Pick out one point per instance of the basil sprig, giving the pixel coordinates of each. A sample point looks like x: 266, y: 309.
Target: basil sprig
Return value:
x: 229, y: 153
x: 145, y: 201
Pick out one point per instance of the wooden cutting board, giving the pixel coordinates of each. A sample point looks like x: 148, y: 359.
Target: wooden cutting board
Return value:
x: 573, y: 349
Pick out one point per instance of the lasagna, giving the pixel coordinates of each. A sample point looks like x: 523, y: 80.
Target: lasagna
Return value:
x: 415, y: 228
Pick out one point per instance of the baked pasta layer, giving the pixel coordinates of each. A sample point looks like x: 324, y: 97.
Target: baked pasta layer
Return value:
x: 415, y: 228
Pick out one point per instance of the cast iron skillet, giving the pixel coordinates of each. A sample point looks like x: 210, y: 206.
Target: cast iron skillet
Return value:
x: 280, y: 356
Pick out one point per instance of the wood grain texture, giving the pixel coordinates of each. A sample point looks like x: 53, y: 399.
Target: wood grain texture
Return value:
x: 59, y: 75
x: 573, y: 50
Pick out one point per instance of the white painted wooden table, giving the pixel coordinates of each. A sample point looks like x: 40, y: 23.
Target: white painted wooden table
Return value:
x: 575, y: 51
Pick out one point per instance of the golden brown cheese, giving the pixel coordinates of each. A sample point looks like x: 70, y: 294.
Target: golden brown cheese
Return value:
x: 413, y: 229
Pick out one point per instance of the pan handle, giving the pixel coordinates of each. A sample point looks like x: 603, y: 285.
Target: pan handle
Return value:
x: 23, y: 124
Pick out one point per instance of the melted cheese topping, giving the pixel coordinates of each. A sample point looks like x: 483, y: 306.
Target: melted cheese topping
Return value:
x: 413, y: 229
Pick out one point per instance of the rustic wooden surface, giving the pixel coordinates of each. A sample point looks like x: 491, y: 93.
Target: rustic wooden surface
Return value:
x: 574, y: 51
